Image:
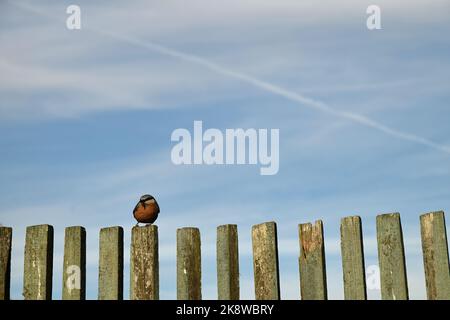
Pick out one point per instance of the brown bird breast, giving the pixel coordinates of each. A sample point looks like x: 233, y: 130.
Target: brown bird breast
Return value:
x: 147, y: 213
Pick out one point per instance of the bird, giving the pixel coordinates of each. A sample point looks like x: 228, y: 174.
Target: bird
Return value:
x: 146, y: 210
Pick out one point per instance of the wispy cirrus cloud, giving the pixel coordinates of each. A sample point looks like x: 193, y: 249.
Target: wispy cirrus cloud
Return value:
x: 110, y: 94
x: 266, y: 86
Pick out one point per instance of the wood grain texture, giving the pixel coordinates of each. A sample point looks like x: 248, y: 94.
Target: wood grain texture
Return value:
x: 227, y: 262
x: 144, y: 264
x: 391, y: 257
x: 313, y: 281
x: 435, y: 255
x: 38, y: 263
x: 189, y: 273
x: 110, y: 276
x: 265, y: 261
x: 5, y: 262
x: 353, y: 259
x: 74, y: 266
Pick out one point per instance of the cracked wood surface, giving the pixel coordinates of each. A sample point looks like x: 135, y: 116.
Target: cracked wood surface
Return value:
x: 435, y: 255
x: 313, y: 282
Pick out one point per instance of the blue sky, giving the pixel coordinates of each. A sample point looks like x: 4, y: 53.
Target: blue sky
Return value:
x: 86, y: 118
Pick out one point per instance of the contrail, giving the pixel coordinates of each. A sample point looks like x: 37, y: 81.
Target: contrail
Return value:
x: 264, y: 85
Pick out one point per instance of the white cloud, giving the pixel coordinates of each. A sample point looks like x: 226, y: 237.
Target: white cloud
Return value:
x: 240, y: 76
x: 91, y: 80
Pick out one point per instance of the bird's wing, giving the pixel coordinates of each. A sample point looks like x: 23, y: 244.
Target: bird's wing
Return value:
x: 136, y: 207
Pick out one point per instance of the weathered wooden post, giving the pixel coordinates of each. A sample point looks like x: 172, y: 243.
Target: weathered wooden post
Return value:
x: 391, y: 256
x: 313, y: 280
x: 189, y: 284
x: 74, y: 267
x: 5, y: 262
x: 353, y: 259
x: 144, y: 264
x: 110, y: 279
x: 227, y: 262
x: 435, y: 255
x: 38, y: 266
x: 265, y: 261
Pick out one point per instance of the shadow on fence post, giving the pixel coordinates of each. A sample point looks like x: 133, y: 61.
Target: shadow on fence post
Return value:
x: 5, y: 262
x: 352, y: 252
x: 227, y: 262
x: 110, y: 278
x: 144, y: 263
x: 391, y: 256
x: 189, y: 273
x: 265, y: 261
x: 313, y: 280
x: 435, y: 255
x: 38, y: 264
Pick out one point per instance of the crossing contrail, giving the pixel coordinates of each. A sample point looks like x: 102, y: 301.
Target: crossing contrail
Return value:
x: 262, y: 84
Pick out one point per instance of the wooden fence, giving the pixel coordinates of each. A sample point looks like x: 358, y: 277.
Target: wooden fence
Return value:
x: 144, y: 264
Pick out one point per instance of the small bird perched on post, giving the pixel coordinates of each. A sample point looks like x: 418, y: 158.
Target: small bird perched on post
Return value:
x: 146, y: 210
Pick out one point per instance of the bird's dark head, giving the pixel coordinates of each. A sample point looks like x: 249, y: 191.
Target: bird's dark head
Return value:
x: 146, y: 197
